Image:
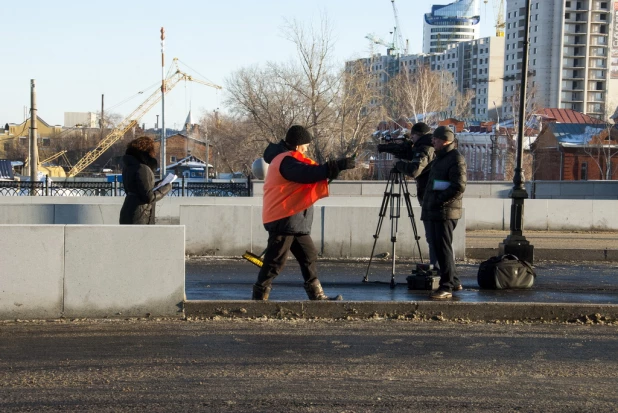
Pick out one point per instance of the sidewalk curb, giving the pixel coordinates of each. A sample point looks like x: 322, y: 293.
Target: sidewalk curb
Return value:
x: 551, y: 254
x: 489, y: 312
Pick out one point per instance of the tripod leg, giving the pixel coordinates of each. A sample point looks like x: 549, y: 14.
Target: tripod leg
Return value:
x: 381, y: 215
x: 406, y: 196
x: 395, y: 214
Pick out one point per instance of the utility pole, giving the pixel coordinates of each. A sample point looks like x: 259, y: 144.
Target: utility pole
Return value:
x: 34, y: 151
x: 515, y: 243
x: 101, y: 122
x: 157, y: 124
x: 162, y: 146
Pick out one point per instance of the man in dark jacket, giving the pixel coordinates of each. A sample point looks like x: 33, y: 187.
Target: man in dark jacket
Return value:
x: 418, y: 168
x: 442, y: 205
x: 293, y: 184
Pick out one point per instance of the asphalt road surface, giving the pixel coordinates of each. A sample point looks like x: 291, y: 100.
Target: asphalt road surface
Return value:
x: 307, y: 366
x: 556, y: 282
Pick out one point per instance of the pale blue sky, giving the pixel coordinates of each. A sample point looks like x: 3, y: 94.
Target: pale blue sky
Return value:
x: 78, y: 50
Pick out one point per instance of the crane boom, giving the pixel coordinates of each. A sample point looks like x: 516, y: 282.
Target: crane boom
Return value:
x: 397, y: 36
x: 130, y: 121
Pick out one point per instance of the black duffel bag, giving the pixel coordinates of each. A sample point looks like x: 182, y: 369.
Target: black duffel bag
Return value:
x: 504, y: 272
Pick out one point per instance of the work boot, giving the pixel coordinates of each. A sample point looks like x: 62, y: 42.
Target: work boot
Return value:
x: 260, y: 293
x: 315, y: 292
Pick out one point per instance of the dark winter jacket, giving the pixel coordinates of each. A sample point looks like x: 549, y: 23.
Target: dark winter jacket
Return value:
x: 447, y: 169
x: 422, y: 155
x: 138, y: 180
x: 295, y: 171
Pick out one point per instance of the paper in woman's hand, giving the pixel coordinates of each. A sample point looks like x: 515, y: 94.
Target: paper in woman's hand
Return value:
x: 169, y: 178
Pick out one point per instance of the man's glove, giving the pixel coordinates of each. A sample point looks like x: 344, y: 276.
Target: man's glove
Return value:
x: 346, y: 163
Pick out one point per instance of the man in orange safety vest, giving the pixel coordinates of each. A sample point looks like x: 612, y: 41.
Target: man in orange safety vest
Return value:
x: 293, y: 184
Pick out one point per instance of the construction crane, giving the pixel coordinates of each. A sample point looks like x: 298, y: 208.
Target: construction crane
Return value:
x: 132, y: 120
x: 499, y: 17
x: 397, y: 45
x: 397, y: 35
x: 390, y: 47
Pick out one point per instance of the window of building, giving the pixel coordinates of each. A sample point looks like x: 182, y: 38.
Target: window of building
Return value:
x: 7, y: 146
x: 536, y: 17
x: 537, y: 6
x: 603, y: 17
x: 583, y: 174
x: 568, y: 4
x: 599, y: 85
x: 172, y: 159
x: 567, y: 16
x: 604, y: 5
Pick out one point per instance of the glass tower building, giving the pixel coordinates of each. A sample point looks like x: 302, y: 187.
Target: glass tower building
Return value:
x: 451, y: 23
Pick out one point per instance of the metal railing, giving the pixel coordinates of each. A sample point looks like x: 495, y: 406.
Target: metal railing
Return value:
x: 115, y: 188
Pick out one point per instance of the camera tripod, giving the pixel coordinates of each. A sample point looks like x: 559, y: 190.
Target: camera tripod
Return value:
x: 396, y: 187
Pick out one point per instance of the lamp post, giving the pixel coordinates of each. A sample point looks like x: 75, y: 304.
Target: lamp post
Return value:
x: 515, y: 243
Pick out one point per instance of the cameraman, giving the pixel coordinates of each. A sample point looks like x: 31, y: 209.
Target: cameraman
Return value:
x: 293, y: 184
x: 422, y: 153
x: 442, y: 205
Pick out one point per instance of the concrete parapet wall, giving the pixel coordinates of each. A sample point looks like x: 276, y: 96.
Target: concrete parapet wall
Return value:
x: 484, y: 189
x: 481, y: 213
x: 52, y: 271
x: 338, y: 231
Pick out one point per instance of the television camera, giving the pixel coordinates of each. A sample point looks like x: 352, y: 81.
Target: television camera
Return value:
x: 399, y: 145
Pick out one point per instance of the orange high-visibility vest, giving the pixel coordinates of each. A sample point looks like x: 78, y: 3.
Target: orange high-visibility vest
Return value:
x: 283, y: 198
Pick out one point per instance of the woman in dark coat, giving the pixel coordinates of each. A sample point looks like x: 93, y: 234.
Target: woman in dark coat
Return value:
x: 138, y: 180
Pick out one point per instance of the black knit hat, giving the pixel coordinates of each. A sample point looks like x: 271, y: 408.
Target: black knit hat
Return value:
x: 297, y: 135
x: 421, y: 128
x: 445, y: 133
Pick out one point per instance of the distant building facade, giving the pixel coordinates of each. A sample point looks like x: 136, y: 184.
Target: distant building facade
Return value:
x: 80, y: 119
x: 576, y: 152
x: 572, y: 59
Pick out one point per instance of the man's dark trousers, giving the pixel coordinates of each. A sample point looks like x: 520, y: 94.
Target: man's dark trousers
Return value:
x: 279, y: 245
x: 442, y: 235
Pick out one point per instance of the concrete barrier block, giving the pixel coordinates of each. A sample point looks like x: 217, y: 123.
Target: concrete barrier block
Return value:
x: 87, y: 214
x: 535, y: 214
x: 568, y: 189
x: 604, y: 215
x: 258, y: 188
x: 31, y: 271
x: 124, y: 270
x: 484, y: 214
x: 605, y: 189
x: 216, y: 229
x: 349, y: 188
x: 477, y: 191
x: 348, y: 232
x: 26, y: 214
x: 569, y: 215
x: 259, y: 236
x: 546, y: 189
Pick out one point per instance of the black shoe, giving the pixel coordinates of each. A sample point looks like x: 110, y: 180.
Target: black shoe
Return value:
x: 458, y: 287
x: 441, y: 295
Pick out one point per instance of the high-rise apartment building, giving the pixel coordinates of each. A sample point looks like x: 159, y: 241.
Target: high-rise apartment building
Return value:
x: 451, y: 23
x: 572, y: 57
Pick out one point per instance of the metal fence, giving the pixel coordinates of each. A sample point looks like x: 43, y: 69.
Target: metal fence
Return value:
x: 115, y: 188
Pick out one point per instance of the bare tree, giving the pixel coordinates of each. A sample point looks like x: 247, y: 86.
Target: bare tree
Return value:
x: 264, y: 97
x: 333, y: 104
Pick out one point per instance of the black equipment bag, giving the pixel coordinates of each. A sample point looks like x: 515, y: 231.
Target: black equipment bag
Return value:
x: 424, y: 277
x: 504, y: 272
